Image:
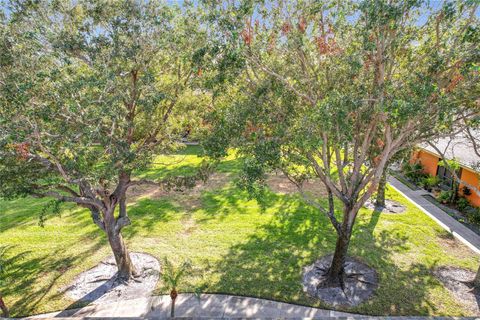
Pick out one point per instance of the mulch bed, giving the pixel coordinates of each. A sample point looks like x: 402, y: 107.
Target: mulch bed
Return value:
x: 100, y: 284
x: 459, y: 281
x: 359, y: 284
x: 391, y: 206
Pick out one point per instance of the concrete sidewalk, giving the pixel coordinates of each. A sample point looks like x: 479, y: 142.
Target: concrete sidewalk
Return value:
x: 461, y: 232
x: 192, y: 306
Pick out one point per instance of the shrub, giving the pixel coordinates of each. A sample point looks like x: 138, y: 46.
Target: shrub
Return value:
x: 473, y: 216
x: 463, y: 204
x: 414, y: 172
x: 445, y: 196
x: 430, y: 182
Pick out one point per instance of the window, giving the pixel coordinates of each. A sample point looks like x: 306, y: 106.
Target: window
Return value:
x: 446, y: 176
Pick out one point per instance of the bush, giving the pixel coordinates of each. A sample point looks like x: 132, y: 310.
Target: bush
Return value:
x: 445, y: 196
x: 473, y: 216
x: 430, y: 182
x: 463, y: 204
x: 414, y: 172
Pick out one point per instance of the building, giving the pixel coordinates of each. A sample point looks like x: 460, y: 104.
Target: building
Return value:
x: 460, y: 149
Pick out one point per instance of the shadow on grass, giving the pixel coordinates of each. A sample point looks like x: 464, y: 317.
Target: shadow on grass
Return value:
x: 270, y: 262
x: 187, y: 169
x: 147, y: 213
x: 18, y: 213
x: 218, y: 204
x: 25, y: 272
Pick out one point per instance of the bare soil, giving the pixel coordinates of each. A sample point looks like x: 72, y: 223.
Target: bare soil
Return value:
x: 281, y: 184
x: 100, y: 283
x: 216, y: 181
x: 453, y: 246
x: 360, y: 282
x: 460, y: 282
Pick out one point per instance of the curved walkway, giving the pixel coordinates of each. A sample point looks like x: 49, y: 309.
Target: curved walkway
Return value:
x: 193, y: 306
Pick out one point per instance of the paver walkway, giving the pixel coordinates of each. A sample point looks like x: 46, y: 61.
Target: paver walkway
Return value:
x: 192, y: 306
x: 461, y: 232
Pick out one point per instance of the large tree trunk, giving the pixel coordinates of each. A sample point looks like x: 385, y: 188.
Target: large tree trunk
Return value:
x: 336, y: 271
x: 125, y: 266
x: 3, y: 307
x: 380, y: 201
x: 122, y: 257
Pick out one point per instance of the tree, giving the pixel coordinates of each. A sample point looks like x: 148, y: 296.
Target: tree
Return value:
x: 172, y: 275
x: 382, y: 184
x: 90, y: 91
x: 335, y: 90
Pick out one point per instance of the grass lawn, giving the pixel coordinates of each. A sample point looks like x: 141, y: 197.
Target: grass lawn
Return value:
x: 235, y: 246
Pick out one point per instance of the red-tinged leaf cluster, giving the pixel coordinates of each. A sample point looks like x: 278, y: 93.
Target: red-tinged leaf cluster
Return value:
x: 22, y: 150
x: 247, y: 33
x: 326, y: 43
x: 367, y: 64
x: 380, y: 143
x: 271, y: 42
x: 286, y: 28
x: 251, y: 128
x: 302, y: 25
x: 454, y: 82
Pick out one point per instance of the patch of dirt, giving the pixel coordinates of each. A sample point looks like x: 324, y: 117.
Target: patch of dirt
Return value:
x: 281, y: 184
x: 146, y: 191
x: 391, y: 206
x: 360, y: 282
x: 216, y: 181
x: 453, y: 246
x: 100, y: 284
x: 460, y: 282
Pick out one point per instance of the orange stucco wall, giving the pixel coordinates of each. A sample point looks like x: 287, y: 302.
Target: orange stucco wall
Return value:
x: 430, y: 164
x: 428, y: 161
x: 471, y: 178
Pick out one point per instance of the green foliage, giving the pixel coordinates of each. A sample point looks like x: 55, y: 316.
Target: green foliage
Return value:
x: 430, y: 182
x: 52, y: 206
x: 172, y: 275
x: 451, y: 164
x: 446, y: 196
x: 473, y: 216
x: 317, y: 81
x: 463, y: 204
x: 94, y: 90
x: 414, y: 172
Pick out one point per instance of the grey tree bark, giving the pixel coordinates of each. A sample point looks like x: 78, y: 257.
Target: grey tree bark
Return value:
x: 380, y: 200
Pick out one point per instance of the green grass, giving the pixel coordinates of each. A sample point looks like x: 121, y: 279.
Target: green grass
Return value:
x: 234, y: 246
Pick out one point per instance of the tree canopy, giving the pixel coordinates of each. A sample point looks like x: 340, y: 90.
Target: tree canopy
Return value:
x: 334, y: 90
x: 90, y: 92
